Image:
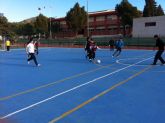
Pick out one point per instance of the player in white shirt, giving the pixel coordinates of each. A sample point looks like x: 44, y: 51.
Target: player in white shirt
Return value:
x: 30, y: 50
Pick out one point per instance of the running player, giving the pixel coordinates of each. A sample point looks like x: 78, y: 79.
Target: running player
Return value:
x: 36, y: 44
x: 30, y: 50
x: 160, y: 45
x: 111, y: 45
x: 93, y: 48
x: 119, y: 45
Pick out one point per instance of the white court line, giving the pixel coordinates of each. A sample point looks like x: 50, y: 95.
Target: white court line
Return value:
x: 74, y: 88
x: 126, y: 59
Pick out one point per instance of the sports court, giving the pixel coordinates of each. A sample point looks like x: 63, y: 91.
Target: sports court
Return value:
x: 67, y: 88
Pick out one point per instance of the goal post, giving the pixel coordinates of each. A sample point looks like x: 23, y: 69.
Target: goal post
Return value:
x: 2, y: 43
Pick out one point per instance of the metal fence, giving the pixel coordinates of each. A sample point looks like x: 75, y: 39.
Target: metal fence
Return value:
x: 101, y: 41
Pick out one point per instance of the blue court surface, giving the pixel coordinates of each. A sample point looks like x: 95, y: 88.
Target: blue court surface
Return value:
x: 67, y: 88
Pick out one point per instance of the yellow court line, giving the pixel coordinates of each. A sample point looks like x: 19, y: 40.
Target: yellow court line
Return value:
x: 98, y: 95
x: 51, y: 84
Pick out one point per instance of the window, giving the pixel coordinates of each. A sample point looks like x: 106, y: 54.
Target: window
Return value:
x: 63, y: 22
x: 112, y: 17
x: 100, y: 18
x: 100, y: 27
x: 112, y: 27
x: 147, y: 24
x: 91, y: 19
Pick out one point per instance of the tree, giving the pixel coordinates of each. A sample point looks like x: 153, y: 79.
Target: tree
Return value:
x: 41, y: 24
x: 4, y: 26
x: 159, y: 11
x: 126, y: 12
x: 7, y: 29
x: 19, y: 29
x: 76, y: 18
x: 16, y: 28
x: 28, y: 29
x: 150, y: 8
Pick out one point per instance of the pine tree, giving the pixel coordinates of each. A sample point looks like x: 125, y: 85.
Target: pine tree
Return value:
x: 150, y: 8
x: 41, y: 24
x: 159, y: 11
x: 76, y: 18
x: 126, y: 11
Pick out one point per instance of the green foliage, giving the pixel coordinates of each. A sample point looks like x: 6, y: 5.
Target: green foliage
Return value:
x: 160, y: 11
x: 23, y: 29
x: 28, y: 29
x: 4, y: 27
x: 41, y: 24
x: 76, y: 18
x: 151, y: 9
x: 127, y: 12
x: 19, y: 29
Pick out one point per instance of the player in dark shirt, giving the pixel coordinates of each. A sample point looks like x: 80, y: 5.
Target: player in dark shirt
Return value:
x: 93, y: 48
x: 160, y: 45
x: 111, y: 44
x: 119, y: 44
x: 36, y: 44
x: 87, y: 47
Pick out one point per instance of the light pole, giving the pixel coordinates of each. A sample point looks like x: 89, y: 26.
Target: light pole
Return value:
x: 4, y: 42
x: 39, y: 12
x: 50, y: 31
x: 87, y: 21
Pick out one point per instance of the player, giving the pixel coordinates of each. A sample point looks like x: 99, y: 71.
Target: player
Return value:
x: 30, y: 50
x: 36, y: 44
x: 87, y: 47
x: 119, y: 45
x: 93, y: 48
x: 160, y: 45
x: 111, y: 45
x: 8, y: 43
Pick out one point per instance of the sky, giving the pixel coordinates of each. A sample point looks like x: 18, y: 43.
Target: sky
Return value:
x: 19, y: 10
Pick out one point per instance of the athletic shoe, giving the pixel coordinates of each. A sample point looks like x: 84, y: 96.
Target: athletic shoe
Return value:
x: 163, y: 64
x: 28, y: 62
x: 38, y: 65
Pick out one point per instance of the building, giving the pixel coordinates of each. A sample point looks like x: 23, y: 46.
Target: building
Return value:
x: 101, y: 23
x: 149, y: 26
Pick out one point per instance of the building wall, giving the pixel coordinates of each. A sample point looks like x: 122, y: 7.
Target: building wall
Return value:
x: 100, y: 23
x: 105, y: 23
x: 149, y: 26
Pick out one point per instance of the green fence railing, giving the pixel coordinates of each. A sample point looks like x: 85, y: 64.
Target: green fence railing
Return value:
x: 101, y: 41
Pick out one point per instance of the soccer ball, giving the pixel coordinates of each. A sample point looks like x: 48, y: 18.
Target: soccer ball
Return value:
x: 98, y: 61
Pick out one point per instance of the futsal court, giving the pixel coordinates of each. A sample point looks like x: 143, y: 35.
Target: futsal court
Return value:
x: 67, y: 88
